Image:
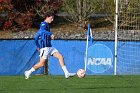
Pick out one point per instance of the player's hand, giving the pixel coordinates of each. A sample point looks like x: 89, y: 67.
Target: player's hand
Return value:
x: 52, y: 37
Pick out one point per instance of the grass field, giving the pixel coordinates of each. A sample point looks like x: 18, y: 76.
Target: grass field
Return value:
x: 58, y: 84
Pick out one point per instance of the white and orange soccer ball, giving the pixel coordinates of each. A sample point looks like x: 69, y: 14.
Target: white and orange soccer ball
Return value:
x: 81, y: 73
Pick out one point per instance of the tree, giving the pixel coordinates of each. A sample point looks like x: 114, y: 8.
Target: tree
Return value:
x: 43, y: 6
x: 17, y: 15
x: 129, y: 14
x: 5, y: 8
x: 79, y: 10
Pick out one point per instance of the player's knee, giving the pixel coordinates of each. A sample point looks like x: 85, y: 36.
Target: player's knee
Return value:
x: 60, y: 57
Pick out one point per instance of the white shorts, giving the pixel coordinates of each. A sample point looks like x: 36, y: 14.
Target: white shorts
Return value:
x: 47, y: 51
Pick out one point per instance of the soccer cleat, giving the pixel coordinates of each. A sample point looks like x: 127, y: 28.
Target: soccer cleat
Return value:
x: 70, y: 75
x: 27, y: 74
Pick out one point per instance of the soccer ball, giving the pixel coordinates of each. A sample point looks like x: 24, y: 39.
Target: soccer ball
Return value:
x: 81, y: 73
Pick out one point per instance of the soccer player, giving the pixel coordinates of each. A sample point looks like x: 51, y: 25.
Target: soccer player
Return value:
x: 43, y: 42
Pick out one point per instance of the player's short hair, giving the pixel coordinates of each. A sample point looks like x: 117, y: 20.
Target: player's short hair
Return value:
x: 48, y: 14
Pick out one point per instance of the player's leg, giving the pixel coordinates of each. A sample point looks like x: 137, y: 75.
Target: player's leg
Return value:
x: 62, y: 64
x: 43, y: 57
x: 40, y: 64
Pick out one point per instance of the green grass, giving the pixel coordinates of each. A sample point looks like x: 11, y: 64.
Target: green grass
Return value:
x: 58, y: 84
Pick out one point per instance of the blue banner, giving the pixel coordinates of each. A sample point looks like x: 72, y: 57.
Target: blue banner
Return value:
x: 100, y: 59
x: 16, y: 56
x: 74, y: 54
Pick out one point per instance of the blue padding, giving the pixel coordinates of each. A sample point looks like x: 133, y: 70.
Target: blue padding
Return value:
x: 16, y: 56
x: 73, y: 52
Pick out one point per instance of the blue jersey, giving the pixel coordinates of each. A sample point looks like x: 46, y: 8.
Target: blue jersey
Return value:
x: 43, y: 36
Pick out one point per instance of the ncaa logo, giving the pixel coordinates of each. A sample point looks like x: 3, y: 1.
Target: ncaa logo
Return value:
x: 99, y: 58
